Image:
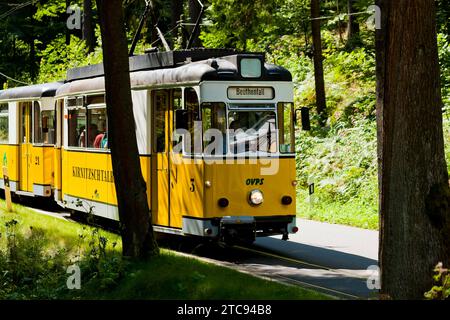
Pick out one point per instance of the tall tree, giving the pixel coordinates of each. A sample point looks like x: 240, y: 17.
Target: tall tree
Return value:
x: 176, y: 13
x: 413, y: 181
x: 352, y: 25
x: 88, y: 25
x: 318, y: 62
x: 137, y: 231
x: 194, y: 12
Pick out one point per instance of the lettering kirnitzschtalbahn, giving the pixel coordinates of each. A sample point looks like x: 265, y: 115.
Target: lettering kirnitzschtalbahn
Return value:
x: 93, y: 174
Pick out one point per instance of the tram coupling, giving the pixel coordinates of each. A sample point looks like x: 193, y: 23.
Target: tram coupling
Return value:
x: 234, y: 230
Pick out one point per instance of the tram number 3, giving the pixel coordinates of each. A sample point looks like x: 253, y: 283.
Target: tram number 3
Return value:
x: 36, y: 161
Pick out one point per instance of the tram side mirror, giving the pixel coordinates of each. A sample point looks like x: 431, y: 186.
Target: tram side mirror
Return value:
x: 306, y: 122
x: 181, y: 119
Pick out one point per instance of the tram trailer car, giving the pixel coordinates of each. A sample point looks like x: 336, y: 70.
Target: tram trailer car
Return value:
x: 27, y: 138
x: 243, y: 189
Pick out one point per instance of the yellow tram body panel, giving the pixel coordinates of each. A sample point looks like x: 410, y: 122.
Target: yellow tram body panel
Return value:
x: 41, y: 165
x: 30, y: 168
x: 191, y: 198
x: 10, y: 154
x: 57, y: 169
x: 187, y: 189
x: 36, y: 169
x: 235, y: 181
x: 89, y: 176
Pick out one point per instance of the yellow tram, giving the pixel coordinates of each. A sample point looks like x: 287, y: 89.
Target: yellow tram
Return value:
x: 215, y: 132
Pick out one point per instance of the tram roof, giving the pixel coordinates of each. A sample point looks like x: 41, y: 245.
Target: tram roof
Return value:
x: 213, y: 69
x: 36, y: 91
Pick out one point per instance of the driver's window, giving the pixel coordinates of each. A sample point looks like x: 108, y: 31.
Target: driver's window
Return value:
x: 191, y: 105
x: 214, y: 127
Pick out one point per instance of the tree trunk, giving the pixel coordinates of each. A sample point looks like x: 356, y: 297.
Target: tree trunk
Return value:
x: 318, y: 62
x: 413, y: 180
x: 33, y: 65
x: 194, y: 11
x: 137, y: 231
x: 67, y: 29
x: 352, y: 25
x: 177, y: 11
x: 88, y: 25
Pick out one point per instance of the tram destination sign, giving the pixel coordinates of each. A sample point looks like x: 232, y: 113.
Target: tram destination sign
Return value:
x: 250, y: 93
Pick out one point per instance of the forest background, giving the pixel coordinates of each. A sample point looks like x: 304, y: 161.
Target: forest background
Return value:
x: 340, y: 158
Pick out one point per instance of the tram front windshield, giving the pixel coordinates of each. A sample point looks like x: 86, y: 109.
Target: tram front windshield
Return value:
x: 252, y: 131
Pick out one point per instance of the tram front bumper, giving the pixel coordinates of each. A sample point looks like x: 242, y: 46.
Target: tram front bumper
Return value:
x: 232, y: 229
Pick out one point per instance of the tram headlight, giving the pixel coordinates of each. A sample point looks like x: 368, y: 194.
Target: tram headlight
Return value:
x: 256, y: 197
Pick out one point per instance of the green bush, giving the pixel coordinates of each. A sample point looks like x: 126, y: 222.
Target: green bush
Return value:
x: 57, y: 57
x: 28, y: 270
x: 444, y: 61
x: 342, y: 163
x: 31, y: 267
x: 441, y: 289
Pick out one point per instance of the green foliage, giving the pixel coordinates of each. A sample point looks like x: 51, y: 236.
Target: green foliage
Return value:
x: 25, y: 32
x: 441, y: 288
x: 50, y: 9
x: 443, y: 17
x: 30, y: 267
x: 446, y: 127
x: 56, y: 58
x: 444, y: 62
x: 237, y: 23
x: 33, y: 268
x: 101, y: 265
x: 342, y: 163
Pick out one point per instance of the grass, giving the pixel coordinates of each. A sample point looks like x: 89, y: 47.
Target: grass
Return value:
x: 40, y: 272
x: 176, y: 277
x: 59, y: 232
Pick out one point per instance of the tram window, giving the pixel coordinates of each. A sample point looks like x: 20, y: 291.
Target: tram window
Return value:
x: 75, y: 102
x: 97, y: 135
x: 214, y: 126
x: 177, y: 104
x: 4, y: 123
x: 97, y: 99
x: 286, y: 127
x: 253, y: 131
x: 48, y: 126
x: 160, y: 100
x: 77, y: 126
x: 193, y: 124
x: 44, y: 129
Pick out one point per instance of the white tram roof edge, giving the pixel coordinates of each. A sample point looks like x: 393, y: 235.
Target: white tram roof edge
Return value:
x: 189, y: 74
x: 33, y: 92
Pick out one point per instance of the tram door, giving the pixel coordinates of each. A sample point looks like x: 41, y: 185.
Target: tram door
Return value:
x: 25, y: 146
x: 160, y: 157
x: 166, y: 193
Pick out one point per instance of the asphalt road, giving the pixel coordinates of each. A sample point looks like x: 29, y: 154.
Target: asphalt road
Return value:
x: 336, y: 256
x: 333, y: 259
